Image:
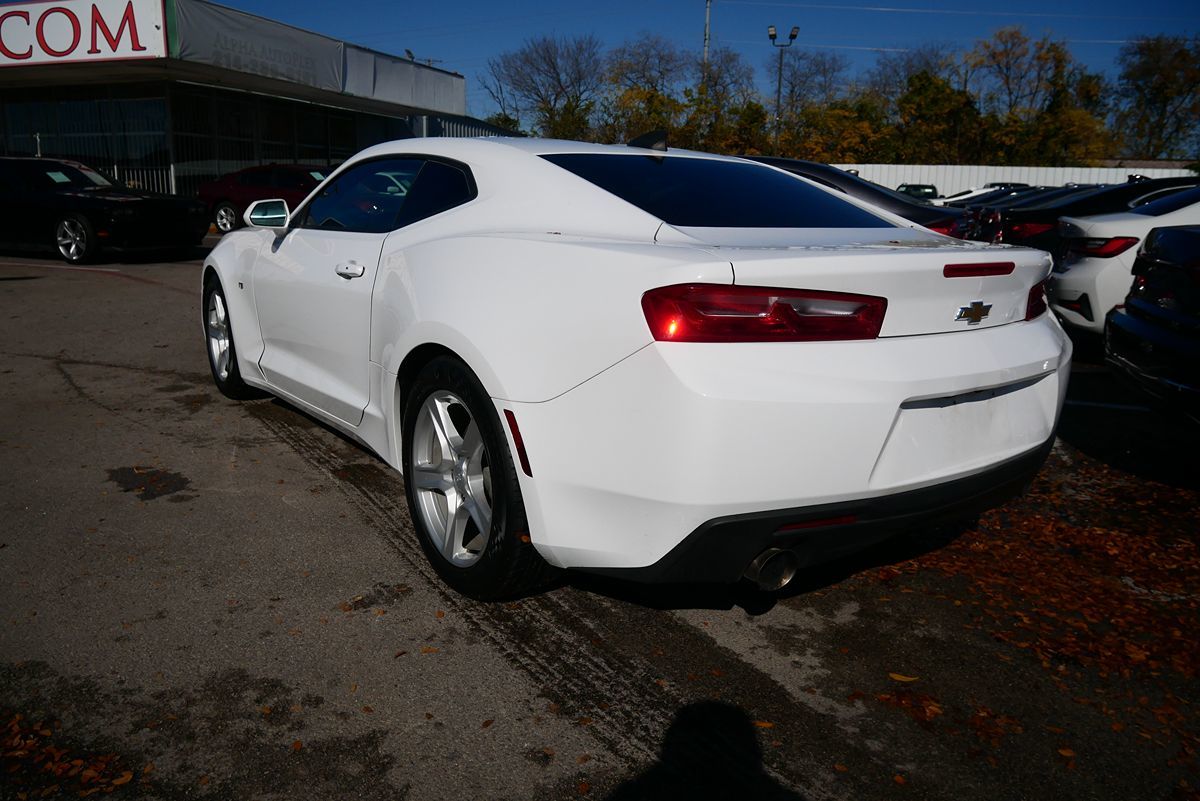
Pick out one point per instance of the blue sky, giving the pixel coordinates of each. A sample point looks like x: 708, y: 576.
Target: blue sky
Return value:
x: 461, y: 35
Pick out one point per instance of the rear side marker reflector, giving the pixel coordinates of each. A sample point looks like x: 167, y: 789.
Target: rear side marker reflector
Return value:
x: 978, y: 270
x: 520, y: 443
x: 844, y: 520
x: 724, y: 313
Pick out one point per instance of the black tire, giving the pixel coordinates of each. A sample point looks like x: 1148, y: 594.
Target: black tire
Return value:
x: 75, y: 239
x: 226, y: 374
x: 507, y: 565
x: 226, y: 217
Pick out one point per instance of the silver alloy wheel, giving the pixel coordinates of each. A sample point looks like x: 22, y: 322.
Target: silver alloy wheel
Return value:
x: 226, y: 219
x: 452, y: 478
x: 218, y: 334
x: 72, y: 239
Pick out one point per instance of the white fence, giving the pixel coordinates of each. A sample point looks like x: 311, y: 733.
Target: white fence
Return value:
x: 951, y: 178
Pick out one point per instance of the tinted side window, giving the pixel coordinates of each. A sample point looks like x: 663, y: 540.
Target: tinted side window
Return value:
x: 366, y: 198
x: 716, y: 194
x: 439, y: 187
x: 255, y: 178
x: 294, y: 179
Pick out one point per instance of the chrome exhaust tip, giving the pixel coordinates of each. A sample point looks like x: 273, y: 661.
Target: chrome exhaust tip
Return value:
x: 773, y: 569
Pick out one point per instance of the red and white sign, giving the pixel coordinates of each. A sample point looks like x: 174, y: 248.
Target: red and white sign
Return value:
x: 56, y: 31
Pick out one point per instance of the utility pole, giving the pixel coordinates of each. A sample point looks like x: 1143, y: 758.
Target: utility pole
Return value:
x: 707, y: 19
x: 779, y: 77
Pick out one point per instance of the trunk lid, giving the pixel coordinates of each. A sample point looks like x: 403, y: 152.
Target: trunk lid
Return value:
x: 932, y: 284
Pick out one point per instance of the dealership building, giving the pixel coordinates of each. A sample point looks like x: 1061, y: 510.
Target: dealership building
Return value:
x: 165, y: 94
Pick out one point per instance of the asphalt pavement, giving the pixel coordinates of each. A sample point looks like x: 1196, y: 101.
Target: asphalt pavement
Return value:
x: 203, y: 598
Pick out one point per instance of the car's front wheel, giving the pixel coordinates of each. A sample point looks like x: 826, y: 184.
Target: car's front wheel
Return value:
x: 226, y: 217
x: 462, y: 487
x: 75, y: 238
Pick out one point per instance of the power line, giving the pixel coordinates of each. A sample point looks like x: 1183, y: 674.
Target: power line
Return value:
x: 955, y: 11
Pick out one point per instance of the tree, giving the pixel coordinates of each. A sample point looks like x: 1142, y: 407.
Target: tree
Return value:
x: 937, y: 124
x: 888, y: 79
x: 646, y: 80
x: 1159, y: 89
x: 554, y: 82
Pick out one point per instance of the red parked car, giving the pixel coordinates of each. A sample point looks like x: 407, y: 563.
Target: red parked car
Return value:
x: 228, y: 196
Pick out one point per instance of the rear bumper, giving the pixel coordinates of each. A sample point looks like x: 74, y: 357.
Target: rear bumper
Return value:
x: 631, y: 462
x: 720, y: 550
x: 1084, y: 291
x: 1162, y: 362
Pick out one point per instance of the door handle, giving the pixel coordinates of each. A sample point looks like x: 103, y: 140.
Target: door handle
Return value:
x: 349, y: 269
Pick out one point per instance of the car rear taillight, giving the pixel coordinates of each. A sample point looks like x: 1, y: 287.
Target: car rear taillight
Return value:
x: 718, y: 313
x: 1025, y: 230
x: 945, y: 226
x: 1035, y: 306
x: 1102, y: 248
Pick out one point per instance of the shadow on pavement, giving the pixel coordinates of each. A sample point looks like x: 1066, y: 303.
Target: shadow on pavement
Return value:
x: 1115, y: 424
x: 709, y: 753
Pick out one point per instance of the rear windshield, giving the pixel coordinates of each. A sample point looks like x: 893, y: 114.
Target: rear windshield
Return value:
x: 705, y: 193
x: 1170, y: 203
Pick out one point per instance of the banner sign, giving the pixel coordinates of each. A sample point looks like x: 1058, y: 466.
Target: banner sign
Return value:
x: 60, y: 31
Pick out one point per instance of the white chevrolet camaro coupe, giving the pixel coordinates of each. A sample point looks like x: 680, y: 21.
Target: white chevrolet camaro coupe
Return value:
x: 654, y: 364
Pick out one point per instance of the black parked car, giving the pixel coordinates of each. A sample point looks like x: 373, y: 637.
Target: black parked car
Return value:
x: 1037, y: 226
x: 990, y: 219
x: 936, y: 218
x: 69, y: 208
x: 1154, y: 339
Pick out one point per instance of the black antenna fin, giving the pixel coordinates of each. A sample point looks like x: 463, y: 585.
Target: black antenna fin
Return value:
x: 654, y: 140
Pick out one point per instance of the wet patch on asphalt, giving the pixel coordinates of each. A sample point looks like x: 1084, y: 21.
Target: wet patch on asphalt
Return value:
x: 148, y: 482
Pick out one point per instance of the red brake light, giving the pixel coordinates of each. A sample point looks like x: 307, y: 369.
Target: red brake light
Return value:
x: 1025, y: 230
x: 978, y: 270
x: 1035, y: 306
x: 945, y: 226
x: 719, y: 313
x: 1103, y: 248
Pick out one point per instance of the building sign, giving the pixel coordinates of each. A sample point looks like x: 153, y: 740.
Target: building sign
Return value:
x: 56, y: 31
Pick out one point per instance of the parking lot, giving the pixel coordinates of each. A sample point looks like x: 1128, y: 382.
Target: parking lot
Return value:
x: 207, y: 599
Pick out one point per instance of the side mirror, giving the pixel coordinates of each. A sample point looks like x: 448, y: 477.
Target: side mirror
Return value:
x: 267, y: 214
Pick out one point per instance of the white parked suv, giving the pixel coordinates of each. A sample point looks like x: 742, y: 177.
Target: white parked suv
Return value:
x: 1096, y: 273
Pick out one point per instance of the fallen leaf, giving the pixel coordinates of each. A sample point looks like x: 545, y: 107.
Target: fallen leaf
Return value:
x: 124, y: 778
x: 901, y: 677
x: 297, y: 745
x: 583, y: 759
x: 367, y: 710
x: 429, y: 649
x: 898, y: 779
x: 440, y: 614
x: 1067, y: 752
x: 266, y: 710
x: 840, y: 768
x: 203, y: 780
x: 584, y: 788
x: 487, y: 723
x: 764, y: 724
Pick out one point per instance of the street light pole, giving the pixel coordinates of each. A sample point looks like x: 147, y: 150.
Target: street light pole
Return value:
x: 779, y: 77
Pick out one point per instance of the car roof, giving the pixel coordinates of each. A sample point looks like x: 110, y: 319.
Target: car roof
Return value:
x: 493, y: 147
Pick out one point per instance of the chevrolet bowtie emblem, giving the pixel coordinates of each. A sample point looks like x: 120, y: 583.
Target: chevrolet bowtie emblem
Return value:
x: 974, y: 313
